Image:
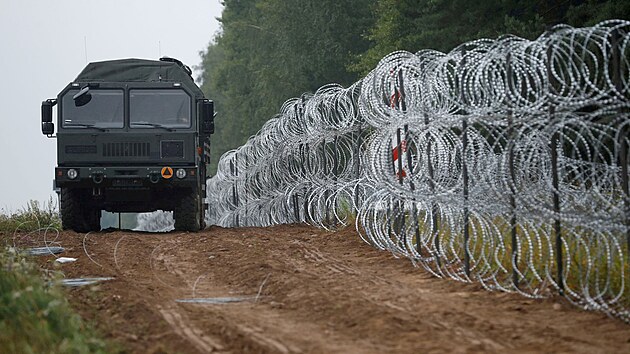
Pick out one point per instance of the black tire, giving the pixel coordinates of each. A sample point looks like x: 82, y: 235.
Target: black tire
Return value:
x: 77, y: 213
x: 187, y: 213
x: 71, y: 215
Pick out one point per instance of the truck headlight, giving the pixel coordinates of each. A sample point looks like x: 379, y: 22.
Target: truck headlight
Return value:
x: 180, y: 173
x: 72, y: 173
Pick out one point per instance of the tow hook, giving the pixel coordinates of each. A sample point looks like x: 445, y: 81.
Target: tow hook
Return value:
x: 154, y: 177
x: 97, y: 178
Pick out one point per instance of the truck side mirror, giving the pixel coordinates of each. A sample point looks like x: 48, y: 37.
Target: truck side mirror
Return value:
x: 48, y: 127
x: 207, y: 117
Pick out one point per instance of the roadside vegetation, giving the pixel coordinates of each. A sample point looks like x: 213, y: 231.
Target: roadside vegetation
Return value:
x: 32, y: 217
x: 35, y: 316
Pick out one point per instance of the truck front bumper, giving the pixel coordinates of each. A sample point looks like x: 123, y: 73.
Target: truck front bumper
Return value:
x: 127, y: 177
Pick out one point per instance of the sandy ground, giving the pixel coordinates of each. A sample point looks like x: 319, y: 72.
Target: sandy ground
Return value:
x: 305, y: 291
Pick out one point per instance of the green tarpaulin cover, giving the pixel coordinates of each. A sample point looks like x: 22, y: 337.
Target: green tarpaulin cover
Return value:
x: 137, y: 70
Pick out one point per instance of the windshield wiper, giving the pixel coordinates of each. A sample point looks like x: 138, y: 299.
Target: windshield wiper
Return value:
x: 86, y: 125
x: 154, y: 125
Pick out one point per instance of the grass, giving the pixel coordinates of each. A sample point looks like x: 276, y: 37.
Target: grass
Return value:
x: 31, y: 218
x: 594, y: 262
x: 35, y: 317
x: 346, y: 212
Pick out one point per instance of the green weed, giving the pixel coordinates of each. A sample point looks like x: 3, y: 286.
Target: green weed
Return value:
x: 31, y: 218
x: 34, y: 315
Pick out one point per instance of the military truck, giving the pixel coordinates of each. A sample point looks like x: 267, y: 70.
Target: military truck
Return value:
x: 133, y: 136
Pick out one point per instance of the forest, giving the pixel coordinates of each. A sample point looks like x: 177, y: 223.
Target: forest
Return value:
x: 271, y: 50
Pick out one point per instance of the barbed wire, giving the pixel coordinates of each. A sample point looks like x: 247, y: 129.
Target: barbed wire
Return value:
x: 503, y: 162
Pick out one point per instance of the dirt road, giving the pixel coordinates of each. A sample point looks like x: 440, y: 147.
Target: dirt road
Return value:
x: 304, y: 290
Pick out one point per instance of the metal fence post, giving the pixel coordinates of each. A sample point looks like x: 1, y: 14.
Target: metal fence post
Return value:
x: 306, y: 167
x: 623, y: 135
x: 326, y: 174
x: 512, y: 181
x: 234, y: 173
x: 464, y: 138
x: 557, y: 225
x: 335, y: 173
x: 296, y: 210
x: 357, y: 168
x: 414, y: 209
x: 245, y: 188
x: 465, y: 192
x: 625, y: 185
x: 402, y: 106
x: 513, y: 220
x: 399, y: 206
x: 389, y: 206
x: 236, y: 198
x: 434, y: 208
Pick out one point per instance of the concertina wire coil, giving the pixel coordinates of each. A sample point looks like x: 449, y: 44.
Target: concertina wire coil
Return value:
x: 503, y: 162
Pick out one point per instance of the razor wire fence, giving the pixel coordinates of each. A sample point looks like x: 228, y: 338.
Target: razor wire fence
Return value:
x: 503, y: 162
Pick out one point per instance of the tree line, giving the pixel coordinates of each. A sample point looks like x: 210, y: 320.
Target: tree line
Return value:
x: 271, y: 50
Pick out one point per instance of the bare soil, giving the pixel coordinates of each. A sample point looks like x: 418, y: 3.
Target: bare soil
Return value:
x: 306, y: 291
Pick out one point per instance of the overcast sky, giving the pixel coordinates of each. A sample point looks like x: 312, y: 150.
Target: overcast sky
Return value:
x: 43, y: 46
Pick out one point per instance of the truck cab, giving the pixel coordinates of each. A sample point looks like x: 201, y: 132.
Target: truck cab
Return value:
x: 133, y: 135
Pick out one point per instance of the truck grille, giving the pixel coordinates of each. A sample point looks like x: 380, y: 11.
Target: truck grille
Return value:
x: 126, y: 149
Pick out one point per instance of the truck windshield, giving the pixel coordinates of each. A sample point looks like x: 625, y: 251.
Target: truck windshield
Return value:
x: 168, y: 108
x: 104, y: 110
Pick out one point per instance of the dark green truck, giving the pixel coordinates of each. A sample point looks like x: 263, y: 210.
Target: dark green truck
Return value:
x: 133, y: 136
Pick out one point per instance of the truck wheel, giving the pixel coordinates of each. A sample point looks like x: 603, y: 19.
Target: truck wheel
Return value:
x: 71, y: 215
x: 187, y: 213
x: 76, y: 214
